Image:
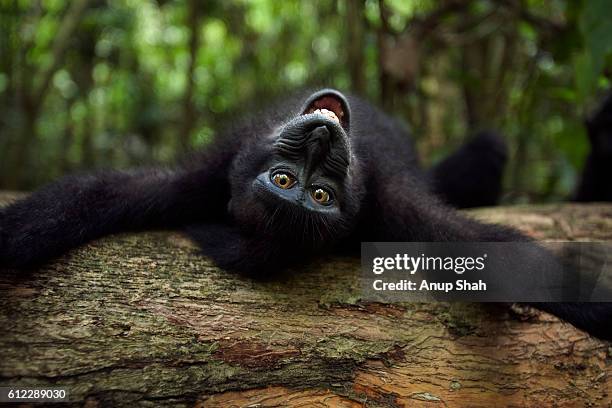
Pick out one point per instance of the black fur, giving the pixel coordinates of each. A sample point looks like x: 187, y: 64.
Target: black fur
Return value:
x: 596, y: 181
x: 472, y: 176
x: 226, y: 197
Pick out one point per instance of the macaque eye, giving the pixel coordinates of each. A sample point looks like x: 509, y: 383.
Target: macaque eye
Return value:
x: 283, y: 180
x: 321, y: 196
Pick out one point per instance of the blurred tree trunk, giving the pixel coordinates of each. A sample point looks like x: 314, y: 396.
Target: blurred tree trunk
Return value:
x: 9, y: 45
x: 488, y: 64
x: 527, y: 116
x: 384, y: 79
x: 85, y: 83
x: 63, y: 164
x: 194, y: 18
x: 81, y: 71
x: 356, y: 44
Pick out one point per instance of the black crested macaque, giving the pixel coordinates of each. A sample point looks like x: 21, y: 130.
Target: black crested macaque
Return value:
x: 596, y: 181
x: 317, y: 174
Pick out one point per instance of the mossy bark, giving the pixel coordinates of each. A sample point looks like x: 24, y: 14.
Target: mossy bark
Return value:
x: 142, y: 319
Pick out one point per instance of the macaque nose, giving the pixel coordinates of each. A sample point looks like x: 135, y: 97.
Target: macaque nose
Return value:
x: 319, y: 142
x: 320, y: 136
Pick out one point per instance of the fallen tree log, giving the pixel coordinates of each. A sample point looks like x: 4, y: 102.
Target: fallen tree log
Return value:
x: 142, y: 319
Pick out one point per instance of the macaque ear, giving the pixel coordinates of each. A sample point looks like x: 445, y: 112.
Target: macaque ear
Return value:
x: 331, y: 103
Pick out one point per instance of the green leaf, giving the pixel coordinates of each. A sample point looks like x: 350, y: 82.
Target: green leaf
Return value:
x: 596, y: 27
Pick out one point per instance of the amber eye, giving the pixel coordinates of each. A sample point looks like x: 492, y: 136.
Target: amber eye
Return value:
x: 321, y: 196
x: 283, y: 180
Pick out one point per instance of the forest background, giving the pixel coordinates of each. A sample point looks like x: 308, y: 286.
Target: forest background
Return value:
x: 90, y: 84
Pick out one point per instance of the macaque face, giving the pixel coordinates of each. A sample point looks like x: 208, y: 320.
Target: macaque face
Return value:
x: 304, y: 186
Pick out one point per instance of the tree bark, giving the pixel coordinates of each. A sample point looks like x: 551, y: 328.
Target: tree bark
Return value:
x: 139, y: 319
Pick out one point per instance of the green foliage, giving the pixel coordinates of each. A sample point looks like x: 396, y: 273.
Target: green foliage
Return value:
x: 137, y: 81
x: 596, y: 27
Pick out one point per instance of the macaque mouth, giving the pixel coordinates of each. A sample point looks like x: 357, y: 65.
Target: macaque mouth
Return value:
x: 330, y: 114
x: 330, y: 107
